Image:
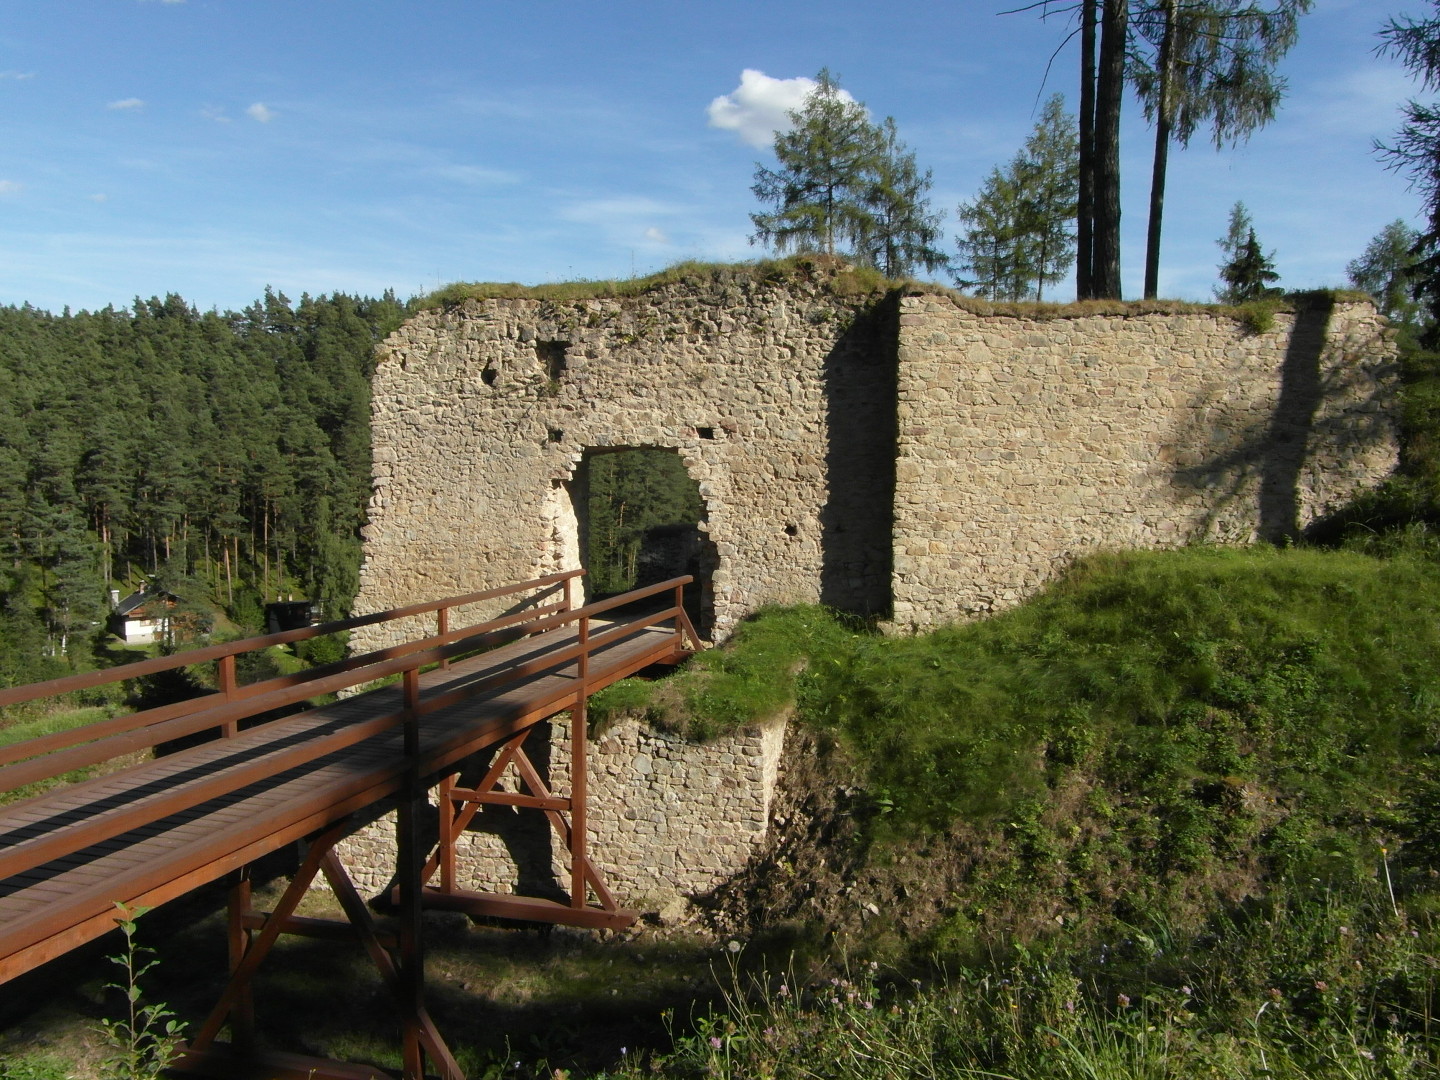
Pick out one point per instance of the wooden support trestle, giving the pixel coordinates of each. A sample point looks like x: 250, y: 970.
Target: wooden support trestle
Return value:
x: 458, y: 807
x: 253, y: 934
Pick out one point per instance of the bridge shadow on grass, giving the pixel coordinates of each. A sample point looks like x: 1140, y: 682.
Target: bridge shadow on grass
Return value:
x: 565, y: 999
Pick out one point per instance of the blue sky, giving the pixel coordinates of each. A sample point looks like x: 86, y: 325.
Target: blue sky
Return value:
x: 213, y: 147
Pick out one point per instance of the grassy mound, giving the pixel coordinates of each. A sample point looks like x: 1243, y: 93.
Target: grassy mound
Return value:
x: 1157, y: 729
x: 1177, y: 816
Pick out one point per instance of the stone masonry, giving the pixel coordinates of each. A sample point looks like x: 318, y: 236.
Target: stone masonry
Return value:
x: 669, y: 818
x: 1025, y: 443
x: 919, y: 459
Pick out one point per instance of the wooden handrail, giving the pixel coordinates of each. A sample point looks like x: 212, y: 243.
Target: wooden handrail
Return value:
x: 44, y: 744
x: 39, y: 759
x: 28, y: 852
x: 15, y: 695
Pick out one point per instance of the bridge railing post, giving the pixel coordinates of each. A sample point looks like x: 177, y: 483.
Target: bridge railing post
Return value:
x: 442, y: 627
x: 578, y: 778
x: 410, y: 860
x: 225, y: 677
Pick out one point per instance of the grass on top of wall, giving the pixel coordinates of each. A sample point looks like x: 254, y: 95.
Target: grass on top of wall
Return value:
x: 861, y: 284
x: 839, y: 277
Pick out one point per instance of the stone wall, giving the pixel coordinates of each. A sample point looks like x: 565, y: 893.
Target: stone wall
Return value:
x: 1024, y: 443
x: 914, y: 459
x: 668, y: 819
x: 778, y: 398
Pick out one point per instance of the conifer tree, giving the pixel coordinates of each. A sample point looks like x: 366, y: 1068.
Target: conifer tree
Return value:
x: 1209, y: 62
x: 904, y: 231
x: 1248, y: 273
x: 1020, y: 234
x: 1416, y: 151
x: 1383, y: 270
x: 848, y: 186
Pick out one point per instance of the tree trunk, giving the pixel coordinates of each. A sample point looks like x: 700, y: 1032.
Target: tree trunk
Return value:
x: 1085, y: 205
x: 1162, y: 154
x: 1109, y: 92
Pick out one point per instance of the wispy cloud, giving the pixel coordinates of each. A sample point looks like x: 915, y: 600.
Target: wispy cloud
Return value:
x: 98, y: 197
x: 18, y: 76
x: 127, y: 103
x: 629, y: 220
x: 475, y: 175
x: 760, y: 106
x: 261, y: 112
x: 10, y: 187
x: 213, y: 112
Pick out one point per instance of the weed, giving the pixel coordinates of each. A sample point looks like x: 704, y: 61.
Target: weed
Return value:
x: 144, y: 1040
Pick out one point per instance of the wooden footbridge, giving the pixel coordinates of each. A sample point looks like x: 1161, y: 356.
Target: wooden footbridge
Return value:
x: 151, y: 830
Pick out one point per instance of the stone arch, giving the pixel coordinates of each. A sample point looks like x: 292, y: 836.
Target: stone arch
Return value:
x: 662, y: 549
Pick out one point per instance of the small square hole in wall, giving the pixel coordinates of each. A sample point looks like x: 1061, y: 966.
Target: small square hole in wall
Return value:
x: 705, y: 432
x: 488, y: 376
x: 552, y: 355
x: 792, y: 530
x: 556, y: 435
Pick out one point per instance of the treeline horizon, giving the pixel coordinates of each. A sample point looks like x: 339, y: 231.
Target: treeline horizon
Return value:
x: 222, y: 456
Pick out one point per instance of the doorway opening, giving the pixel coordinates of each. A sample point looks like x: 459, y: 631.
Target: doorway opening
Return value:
x: 642, y: 521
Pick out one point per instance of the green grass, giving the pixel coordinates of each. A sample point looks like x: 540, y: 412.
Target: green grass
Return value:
x: 1307, y: 669
x: 841, y: 279
x: 1159, y: 732
x: 63, y: 720
x: 1322, y: 989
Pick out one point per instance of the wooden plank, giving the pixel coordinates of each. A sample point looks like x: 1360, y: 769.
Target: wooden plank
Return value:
x: 527, y: 909
x: 70, y: 897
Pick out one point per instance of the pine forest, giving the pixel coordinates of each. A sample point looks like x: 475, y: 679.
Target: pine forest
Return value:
x: 223, y: 458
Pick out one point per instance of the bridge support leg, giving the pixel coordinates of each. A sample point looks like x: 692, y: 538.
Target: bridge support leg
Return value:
x: 421, y: 1038
x: 242, y: 1016
x: 458, y: 807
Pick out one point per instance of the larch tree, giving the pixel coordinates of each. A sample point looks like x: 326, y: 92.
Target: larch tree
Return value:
x: 1416, y: 152
x: 846, y: 185
x: 1208, y: 62
x: 903, y: 232
x: 1019, y: 236
x: 1384, y: 270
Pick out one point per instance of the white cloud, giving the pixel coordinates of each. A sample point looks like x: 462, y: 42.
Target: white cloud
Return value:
x: 211, y: 112
x: 98, y: 197
x: 260, y: 111
x: 127, y: 103
x: 760, y: 106
x: 17, y: 75
x: 10, y: 187
x: 474, y: 174
x: 656, y: 236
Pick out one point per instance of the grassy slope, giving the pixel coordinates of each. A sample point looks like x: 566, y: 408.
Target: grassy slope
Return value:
x: 1224, y: 691
x: 1217, y: 766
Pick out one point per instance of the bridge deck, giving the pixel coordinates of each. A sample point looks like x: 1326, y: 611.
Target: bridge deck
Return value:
x: 68, y: 898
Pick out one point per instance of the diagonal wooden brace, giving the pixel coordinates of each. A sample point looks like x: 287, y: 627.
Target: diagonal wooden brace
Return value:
x: 237, y: 988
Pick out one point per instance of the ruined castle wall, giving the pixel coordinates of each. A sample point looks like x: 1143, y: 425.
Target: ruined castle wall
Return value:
x: 918, y: 459
x: 482, y: 414
x: 1024, y: 443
